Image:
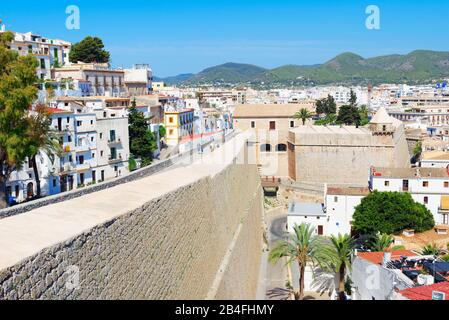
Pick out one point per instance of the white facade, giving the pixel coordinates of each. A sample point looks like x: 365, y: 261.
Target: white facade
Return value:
x: 139, y: 80
x: 49, y: 52
x: 340, y: 211
x: 428, y: 186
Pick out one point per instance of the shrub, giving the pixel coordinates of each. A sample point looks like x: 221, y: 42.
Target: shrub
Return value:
x: 398, y: 248
x: 391, y: 213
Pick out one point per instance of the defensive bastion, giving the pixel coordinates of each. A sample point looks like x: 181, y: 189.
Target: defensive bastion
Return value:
x: 193, y: 232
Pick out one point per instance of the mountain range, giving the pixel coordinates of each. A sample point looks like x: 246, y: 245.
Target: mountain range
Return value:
x: 417, y: 67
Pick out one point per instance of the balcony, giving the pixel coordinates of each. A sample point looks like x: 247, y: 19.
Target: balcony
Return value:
x: 80, y: 167
x: 67, y: 168
x: 114, y: 160
x: 82, y: 148
x: 116, y: 140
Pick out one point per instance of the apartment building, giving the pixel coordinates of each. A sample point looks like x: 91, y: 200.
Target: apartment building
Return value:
x: 139, y: 80
x: 179, y: 126
x: 103, y: 80
x: 431, y: 115
x: 50, y: 53
x: 428, y: 186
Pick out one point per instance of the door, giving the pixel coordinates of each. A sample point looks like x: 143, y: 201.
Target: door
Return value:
x: 320, y: 230
x: 94, y: 176
x: 30, y: 191
x: 102, y: 175
x: 405, y: 185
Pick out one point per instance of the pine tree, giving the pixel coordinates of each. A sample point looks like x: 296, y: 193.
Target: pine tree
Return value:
x: 142, y: 141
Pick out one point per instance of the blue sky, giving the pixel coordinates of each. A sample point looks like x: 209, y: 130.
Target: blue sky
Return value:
x: 183, y: 36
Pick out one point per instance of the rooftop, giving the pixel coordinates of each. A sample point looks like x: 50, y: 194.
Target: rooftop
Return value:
x: 331, y: 130
x: 425, y: 292
x: 269, y: 110
x: 411, y: 173
x: 377, y: 257
x: 348, y: 191
x: 435, y: 155
x: 306, y: 209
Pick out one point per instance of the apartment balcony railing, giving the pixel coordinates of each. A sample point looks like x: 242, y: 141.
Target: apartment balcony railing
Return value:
x: 82, y: 148
x: 83, y: 166
x: 116, y: 140
x: 67, y: 168
x: 113, y: 160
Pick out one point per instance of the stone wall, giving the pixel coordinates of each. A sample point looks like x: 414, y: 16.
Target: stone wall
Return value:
x: 133, y: 176
x: 202, y: 239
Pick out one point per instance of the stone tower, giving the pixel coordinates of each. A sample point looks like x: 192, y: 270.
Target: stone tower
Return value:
x: 382, y: 123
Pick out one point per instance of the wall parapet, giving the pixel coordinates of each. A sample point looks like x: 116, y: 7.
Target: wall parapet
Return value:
x: 193, y: 232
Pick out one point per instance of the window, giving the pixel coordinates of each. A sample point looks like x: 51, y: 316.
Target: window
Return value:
x: 335, y: 199
x: 253, y: 124
x: 426, y: 200
x: 265, y: 148
x: 79, y: 123
x: 68, y: 120
x: 281, y: 148
x: 91, y: 121
x: 91, y: 139
x: 101, y: 135
x: 69, y: 138
x: 425, y: 184
x: 446, y: 184
x: 101, y: 153
x: 170, y: 119
x: 54, y: 183
x: 170, y: 132
x: 387, y: 183
x: 292, y: 124
x: 42, y: 64
x: 272, y: 125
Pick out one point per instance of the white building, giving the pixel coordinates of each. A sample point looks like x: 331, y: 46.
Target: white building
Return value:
x: 428, y: 186
x: 50, y: 53
x: 334, y: 217
x: 139, y: 80
x: 340, y: 207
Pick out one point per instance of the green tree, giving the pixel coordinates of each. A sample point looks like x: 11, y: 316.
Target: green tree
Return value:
x: 336, y: 257
x: 349, y: 115
x: 329, y: 120
x: 17, y: 92
x: 417, y: 151
x: 431, y: 250
x: 162, y: 131
x: 90, y: 49
x: 364, y: 115
x: 141, y: 140
x: 302, y: 247
x: 326, y: 106
x: 352, y: 99
x: 43, y: 139
x: 391, y: 213
x: 303, y: 115
x: 381, y: 242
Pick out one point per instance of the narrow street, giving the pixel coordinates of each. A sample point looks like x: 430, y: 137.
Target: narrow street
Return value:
x: 273, y: 284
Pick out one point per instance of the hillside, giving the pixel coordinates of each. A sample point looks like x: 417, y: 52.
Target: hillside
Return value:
x: 419, y: 66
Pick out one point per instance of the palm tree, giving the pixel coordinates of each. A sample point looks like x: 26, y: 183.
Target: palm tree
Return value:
x: 303, y: 115
x: 44, y: 140
x: 431, y: 250
x: 381, y: 242
x: 303, y: 247
x: 336, y: 257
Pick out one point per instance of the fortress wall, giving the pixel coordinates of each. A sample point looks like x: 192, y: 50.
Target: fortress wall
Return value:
x: 190, y: 233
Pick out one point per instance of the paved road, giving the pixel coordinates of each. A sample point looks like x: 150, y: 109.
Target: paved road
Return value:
x: 276, y: 275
